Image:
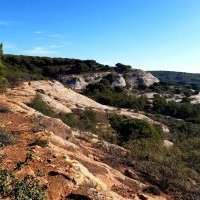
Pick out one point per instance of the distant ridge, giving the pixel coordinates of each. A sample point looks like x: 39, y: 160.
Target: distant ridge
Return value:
x: 183, y: 78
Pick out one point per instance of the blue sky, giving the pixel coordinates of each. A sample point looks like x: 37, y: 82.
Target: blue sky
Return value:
x: 147, y: 34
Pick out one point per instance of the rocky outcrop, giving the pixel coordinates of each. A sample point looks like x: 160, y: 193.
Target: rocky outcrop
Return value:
x: 148, y: 79
x: 75, y: 82
x: 130, y: 79
x: 80, y: 82
x: 55, y: 94
x: 137, y: 78
x: 195, y: 99
x: 119, y: 81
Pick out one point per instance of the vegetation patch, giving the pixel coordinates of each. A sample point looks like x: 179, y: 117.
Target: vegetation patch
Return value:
x: 103, y: 93
x: 6, y: 138
x: 84, y: 120
x: 40, y: 142
x: 178, y: 78
x: 172, y: 170
x: 132, y: 129
x: 81, y: 119
x: 25, y: 189
x: 21, y: 164
x: 187, y: 111
x: 41, y: 106
x: 6, y: 183
x: 4, y: 109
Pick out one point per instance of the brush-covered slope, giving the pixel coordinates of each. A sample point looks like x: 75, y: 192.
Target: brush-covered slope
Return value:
x: 44, y: 158
x: 125, y: 135
x: 180, y: 78
x: 74, y: 72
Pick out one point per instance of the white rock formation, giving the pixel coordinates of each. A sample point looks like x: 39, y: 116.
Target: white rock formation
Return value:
x: 119, y: 81
x: 140, y: 78
x: 133, y: 79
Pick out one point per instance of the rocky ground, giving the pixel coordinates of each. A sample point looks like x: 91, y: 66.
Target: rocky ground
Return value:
x: 70, y: 164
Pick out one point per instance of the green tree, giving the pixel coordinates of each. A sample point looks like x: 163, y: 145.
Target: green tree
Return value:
x: 1, y: 49
x: 3, y: 80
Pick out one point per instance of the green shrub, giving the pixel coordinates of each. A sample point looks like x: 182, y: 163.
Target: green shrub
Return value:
x: 81, y: 119
x: 70, y: 119
x: 27, y: 189
x: 149, y: 149
x: 21, y: 164
x: 131, y: 129
x: 3, y: 80
x: 174, y: 170
x: 105, y: 94
x: 33, y: 67
x: 39, y: 105
x: 84, y: 120
x: 6, y: 183
x: 6, y: 138
x: 40, y: 142
x: 185, y: 110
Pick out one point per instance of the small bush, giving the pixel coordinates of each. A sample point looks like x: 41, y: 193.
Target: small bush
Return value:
x: 84, y: 120
x: 27, y: 189
x: 6, y: 183
x: 6, y: 138
x: 4, y: 109
x: 21, y: 164
x: 39, y: 105
x: 70, y: 119
x: 185, y: 110
x: 103, y: 93
x: 131, y: 129
x: 152, y: 190
x: 40, y: 142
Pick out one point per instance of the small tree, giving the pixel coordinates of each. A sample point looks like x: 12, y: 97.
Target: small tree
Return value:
x: 1, y: 50
x: 3, y: 80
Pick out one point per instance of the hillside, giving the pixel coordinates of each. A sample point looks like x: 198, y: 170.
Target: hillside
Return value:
x: 74, y: 129
x: 66, y: 162
x: 180, y: 78
x: 71, y: 71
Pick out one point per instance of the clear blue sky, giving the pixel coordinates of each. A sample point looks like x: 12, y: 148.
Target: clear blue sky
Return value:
x: 148, y: 34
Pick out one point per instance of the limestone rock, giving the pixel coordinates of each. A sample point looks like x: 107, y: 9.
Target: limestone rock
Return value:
x: 137, y: 78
